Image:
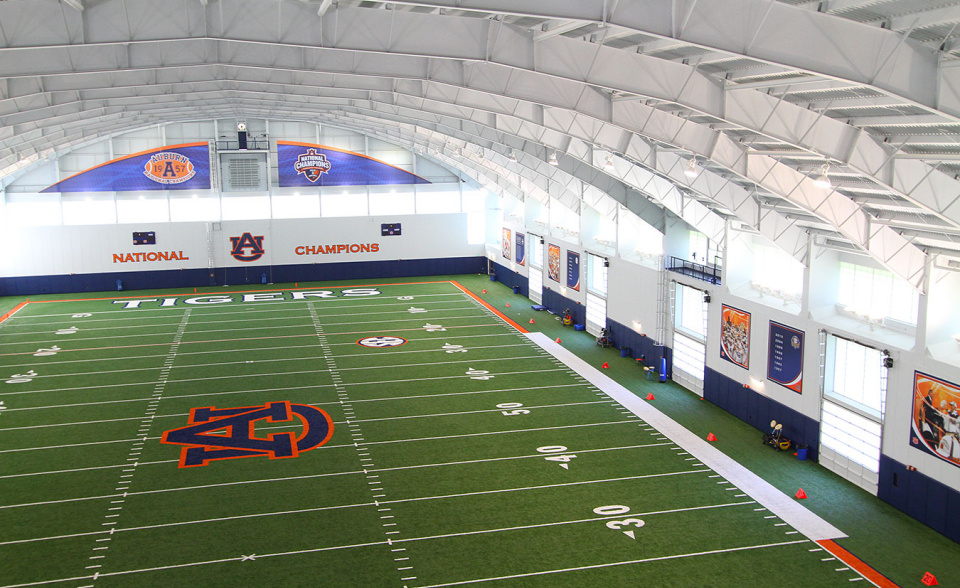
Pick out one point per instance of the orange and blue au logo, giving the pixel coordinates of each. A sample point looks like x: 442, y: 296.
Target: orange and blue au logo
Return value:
x: 244, y: 242
x: 228, y: 433
x: 312, y: 165
x: 168, y: 167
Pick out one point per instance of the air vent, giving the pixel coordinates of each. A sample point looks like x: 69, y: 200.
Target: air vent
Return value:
x: 243, y: 172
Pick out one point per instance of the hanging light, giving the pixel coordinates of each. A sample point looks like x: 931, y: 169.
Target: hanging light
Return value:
x: 691, y: 170
x: 458, y: 152
x: 608, y: 164
x: 823, y: 180
x: 553, y: 159
x: 512, y: 155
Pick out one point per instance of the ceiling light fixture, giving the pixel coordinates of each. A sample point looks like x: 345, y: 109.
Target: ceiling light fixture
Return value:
x: 691, y: 169
x: 512, y: 155
x: 608, y: 164
x: 553, y: 159
x: 823, y: 180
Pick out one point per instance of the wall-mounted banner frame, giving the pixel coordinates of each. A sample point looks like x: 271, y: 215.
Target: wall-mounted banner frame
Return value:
x: 735, y: 336
x: 173, y: 167
x: 521, y: 257
x: 505, y: 243
x: 553, y: 262
x: 573, y: 270
x: 785, y: 357
x: 936, y: 417
x: 307, y: 164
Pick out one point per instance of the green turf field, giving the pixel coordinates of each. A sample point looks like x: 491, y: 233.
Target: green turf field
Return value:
x: 461, y: 453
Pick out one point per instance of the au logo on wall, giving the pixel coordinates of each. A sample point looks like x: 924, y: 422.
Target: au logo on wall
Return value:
x: 307, y: 164
x: 173, y: 167
x: 247, y: 247
x: 228, y: 433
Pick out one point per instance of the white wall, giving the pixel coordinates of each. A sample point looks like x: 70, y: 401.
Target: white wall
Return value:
x: 38, y: 251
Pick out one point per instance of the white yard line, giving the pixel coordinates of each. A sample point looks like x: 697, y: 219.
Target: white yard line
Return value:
x: 618, y: 563
x: 776, y: 501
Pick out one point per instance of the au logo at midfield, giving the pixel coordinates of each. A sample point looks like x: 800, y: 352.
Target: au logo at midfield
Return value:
x: 228, y: 433
x: 246, y: 242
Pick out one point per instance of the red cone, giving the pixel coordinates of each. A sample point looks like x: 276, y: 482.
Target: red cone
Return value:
x: 484, y: 291
x: 929, y: 579
x: 558, y: 339
x: 508, y: 305
x: 650, y: 396
x: 605, y: 365
x: 531, y: 321
x: 711, y: 437
x: 801, y: 494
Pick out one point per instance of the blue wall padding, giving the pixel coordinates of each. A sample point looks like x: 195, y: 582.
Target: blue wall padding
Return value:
x: 624, y: 336
x: 58, y: 284
x: 758, y: 410
x: 557, y: 303
x: 925, y: 499
x: 510, y: 278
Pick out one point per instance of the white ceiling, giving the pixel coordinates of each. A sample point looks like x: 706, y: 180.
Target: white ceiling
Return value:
x: 761, y: 93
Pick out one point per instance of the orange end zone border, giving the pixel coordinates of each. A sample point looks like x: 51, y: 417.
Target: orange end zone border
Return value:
x: 13, y: 311
x: 509, y: 321
x: 855, y: 563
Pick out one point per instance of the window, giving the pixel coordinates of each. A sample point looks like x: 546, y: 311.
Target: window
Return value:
x: 596, y: 314
x: 596, y: 274
x: 689, y: 355
x: 536, y: 250
x: 391, y: 201
x: 877, y: 294
x: 775, y: 272
x: 690, y: 313
x: 535, y: 285
x: 851, y: 422
x: 855, y: 375
x: 343, y: 203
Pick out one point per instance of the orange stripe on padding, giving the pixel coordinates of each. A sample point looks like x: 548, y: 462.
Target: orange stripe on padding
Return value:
x: 855, y: 563
x: 511, y: 322
x: 13, y: 311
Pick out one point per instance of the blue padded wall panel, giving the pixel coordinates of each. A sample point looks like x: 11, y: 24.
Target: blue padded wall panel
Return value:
x: 925, y: 499
x: 511, y: 279
x: 61, y: 284
x: 758, y: 410
x: 640, y: 345
x: 558, y: 303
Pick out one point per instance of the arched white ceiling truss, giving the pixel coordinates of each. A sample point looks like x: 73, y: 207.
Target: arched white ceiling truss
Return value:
x: 761, y: 92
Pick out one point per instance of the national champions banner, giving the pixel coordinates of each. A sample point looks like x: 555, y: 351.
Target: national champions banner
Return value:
x: 173, y: 167
x: 573, y: 270
x: 521, y: 249
x: 785, y: 357
x: 553, y: 262
x: 505, y: 243
x: 306, y: 164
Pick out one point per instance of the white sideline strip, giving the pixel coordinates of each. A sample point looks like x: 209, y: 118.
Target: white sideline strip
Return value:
x: 763, y: 492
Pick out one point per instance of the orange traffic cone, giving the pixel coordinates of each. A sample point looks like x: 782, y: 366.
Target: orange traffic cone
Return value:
x: 508, y: 305
x: 484, y: 291
x: 929, y: 579
x: 531, y: 321
x: 711, y: 437
x: 558, y: 339
x: 650, y: 396
x: 605, y: 365
x: 801, y: 494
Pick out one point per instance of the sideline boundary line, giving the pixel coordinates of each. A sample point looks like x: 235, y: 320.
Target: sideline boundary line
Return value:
x: 857, y: 564
x: 766, y: 494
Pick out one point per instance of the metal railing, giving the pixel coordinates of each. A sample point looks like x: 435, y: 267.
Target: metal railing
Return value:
x: 252, y: 145
x: 701, y: 272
